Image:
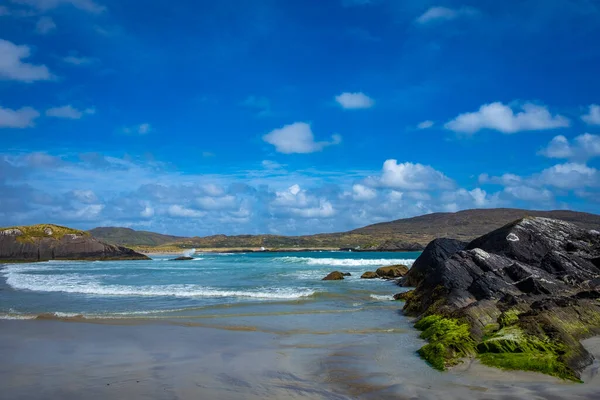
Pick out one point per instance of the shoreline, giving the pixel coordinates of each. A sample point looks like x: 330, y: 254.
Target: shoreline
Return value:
x: 151, y: 359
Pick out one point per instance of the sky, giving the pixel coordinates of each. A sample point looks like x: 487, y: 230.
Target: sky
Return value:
x: 294, y: 117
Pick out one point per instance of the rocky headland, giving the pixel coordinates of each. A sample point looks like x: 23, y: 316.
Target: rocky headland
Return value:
x: 53, y: 242
x: 521, y: 297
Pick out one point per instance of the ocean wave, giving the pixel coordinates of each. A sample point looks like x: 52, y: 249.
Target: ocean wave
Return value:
x: 345, y: 262
x: 81, y: 284
x: 382, y: 297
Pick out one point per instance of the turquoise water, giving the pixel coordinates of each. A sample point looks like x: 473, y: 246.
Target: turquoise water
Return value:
x: 161, y: 288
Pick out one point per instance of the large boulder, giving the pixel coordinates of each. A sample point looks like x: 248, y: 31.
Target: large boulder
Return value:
x: 392, y: 271
x: 521, y: 296
x: 334, y: 276
x: 369, y: 275
x: 53, y: 242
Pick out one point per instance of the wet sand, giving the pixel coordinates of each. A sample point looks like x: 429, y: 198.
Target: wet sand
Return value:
x: 53, y: 359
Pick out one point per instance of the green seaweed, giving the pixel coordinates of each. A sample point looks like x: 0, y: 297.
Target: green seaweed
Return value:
x: 508, y: 318
x: 511, y: 348
x: 449, y: 341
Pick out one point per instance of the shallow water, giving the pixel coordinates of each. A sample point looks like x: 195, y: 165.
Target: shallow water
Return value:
x: 243, y: 326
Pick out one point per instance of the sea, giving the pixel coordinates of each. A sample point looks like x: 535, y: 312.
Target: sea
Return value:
x: 265, y: 282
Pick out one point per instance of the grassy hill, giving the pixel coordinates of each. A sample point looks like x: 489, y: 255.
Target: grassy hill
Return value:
x: 403, y: 234
x: 127, y: 236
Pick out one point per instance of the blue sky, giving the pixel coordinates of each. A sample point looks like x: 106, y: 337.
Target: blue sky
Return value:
x: 205, y: 117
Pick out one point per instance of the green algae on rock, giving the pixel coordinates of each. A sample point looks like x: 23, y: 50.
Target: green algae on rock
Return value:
x: 521, y: 297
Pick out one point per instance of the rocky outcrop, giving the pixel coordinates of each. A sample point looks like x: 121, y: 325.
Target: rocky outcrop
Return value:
x: 369, y: 275
x: 392, y: 271
x: 334, y: 276
x: 52, y: 242
x: 182, y: 258
x: 520, y: 297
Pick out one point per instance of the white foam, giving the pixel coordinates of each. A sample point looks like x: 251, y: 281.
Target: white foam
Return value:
x: 382, y: 297
x: 85, y: 284
x: 16, y: 316
x: 346, y: 262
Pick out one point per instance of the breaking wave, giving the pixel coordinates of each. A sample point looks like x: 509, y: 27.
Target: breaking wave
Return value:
x: 346, y: 262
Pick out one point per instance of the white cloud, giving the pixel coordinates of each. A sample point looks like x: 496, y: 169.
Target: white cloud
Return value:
x: 444, y: 14
x: 85, y: 196
x: 217, y: 203
x: 593, y: 116
x: 569, y: 176
x: 74, y: 60
x: 505, y: 180
x: 584, y: 147
x: 68, y: 112
x: 44, y: 5
x: 410, y: 176
x: 323, y: 210
x: 179, y: 211
x: 500, y: 117
x: 425, y: 125
x: 297, y: 138
x: 12, y: 66
x: 147, y: 212
x: 353, y: 101
x: 45, y: 25
x: 21, y: 118
x: 528, y: 193
x: 141, y: 129
x: 363, y: 193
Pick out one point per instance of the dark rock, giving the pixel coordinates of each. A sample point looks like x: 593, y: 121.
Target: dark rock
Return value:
x: 346, y: 274
x: 434, y: 254
x: 182, y: 258
x: 334, y: 276
x: 393, y: 271
x: 542, y: 275
x: 369, y: 275
x: 47, y: 244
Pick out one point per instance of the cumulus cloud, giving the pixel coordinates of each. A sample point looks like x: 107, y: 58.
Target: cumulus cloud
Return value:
x: 569, y: 176
x: 425, y: 125
x: 297, y: 138
x: 593, y: 115
x: 500, y: 117
x: 444, y: 14
x: 45, y: 25
x: 22, y: 118
x: 528, y: 193
x: 12, y: 66
x: 354, y: 101
x: 68, y: 112
x: 363, y: 193
x: 44, y: 5
x: 410, y: 176
x: 584, y: 147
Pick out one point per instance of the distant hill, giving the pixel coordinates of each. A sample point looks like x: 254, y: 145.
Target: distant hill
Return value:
x: 127, y: 236
x: 403, y: 234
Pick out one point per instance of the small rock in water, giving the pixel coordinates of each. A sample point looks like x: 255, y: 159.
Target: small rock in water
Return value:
x: 346, y: 274
x: 369, y: 275
x: 183, y: 258
x: 393, y: 271
x: 334, y: 276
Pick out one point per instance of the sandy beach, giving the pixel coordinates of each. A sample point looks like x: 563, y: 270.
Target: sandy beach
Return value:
x: 54, y: 359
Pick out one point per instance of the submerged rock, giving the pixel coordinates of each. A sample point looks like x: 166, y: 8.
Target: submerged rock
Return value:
x: 182, y: 258
x: 526, y: 293
x: 346, y: 274
x: 334, y: 276
x: 369, y: 275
